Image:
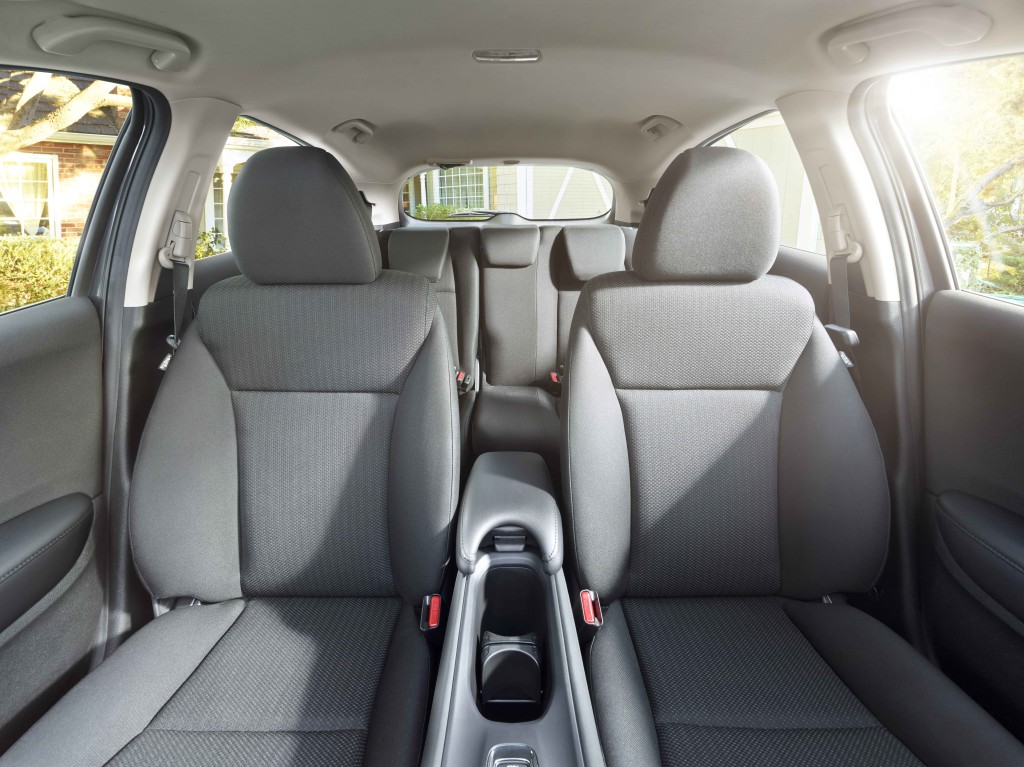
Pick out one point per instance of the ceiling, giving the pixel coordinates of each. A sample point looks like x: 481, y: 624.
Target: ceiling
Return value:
x: 307, y: 65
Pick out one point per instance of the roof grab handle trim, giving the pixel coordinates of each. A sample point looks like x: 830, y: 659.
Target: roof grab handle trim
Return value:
x: 948, y: 25
x: 70, y: 35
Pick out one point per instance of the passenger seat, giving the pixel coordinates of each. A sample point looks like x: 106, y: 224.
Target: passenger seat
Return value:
x: 725, y: 488
x: 297, y: 476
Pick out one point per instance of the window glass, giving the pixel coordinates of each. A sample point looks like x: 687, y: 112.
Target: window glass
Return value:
x: 246, y: 139
x: 769, y: 139
x: 965, y: 122
x: 56, y: 134
x: 542, y: 192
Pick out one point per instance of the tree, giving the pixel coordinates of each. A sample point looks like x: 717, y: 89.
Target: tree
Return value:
x: 966, y: 123
x: 35, y: 105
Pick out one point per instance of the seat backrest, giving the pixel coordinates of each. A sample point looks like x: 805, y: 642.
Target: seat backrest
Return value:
x: 441, y: 256
x: 713, y: 441
x: 580, y: 253
x: 518, y: 303
x: 304, y: 442
x: 530, y: 280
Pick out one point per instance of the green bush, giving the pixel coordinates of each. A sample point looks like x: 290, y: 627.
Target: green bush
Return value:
x: 34, y: 269
x: 433, y: 212
x: 209, y: 243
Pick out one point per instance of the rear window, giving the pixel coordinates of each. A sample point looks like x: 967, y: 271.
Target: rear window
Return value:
x: 542, y: 192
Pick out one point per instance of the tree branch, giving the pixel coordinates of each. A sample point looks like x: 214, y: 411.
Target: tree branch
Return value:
x: 78, y: 106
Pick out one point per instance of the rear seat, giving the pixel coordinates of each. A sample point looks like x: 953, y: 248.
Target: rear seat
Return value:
x: 429, y: 253
x: 530, y: 281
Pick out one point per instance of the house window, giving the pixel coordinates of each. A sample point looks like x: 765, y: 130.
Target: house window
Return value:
x: 461, y: 188
x: 26, y: 192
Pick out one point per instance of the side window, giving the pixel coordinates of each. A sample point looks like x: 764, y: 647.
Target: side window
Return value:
x: 247, y: 138
x: 965, y: 123
x: 769, y: 139
x: 56, y: 135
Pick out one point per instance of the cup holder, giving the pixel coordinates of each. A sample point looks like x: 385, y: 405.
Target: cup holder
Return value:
x: 512, y: 668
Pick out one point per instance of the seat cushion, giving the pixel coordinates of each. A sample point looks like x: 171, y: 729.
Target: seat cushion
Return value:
x: 522, y: 418
x: 263, y: 681
x: 762, y: 682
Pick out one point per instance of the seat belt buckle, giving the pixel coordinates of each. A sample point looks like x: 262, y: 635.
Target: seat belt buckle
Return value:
x: 430, y: 613
x: 590, y: 604
x: 463, y: 381
x: 555, y: 382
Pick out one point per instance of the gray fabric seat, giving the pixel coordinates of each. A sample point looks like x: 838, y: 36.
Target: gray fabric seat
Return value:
x: 531, y: 279
x: 722, y: 477
x: 298, y: 475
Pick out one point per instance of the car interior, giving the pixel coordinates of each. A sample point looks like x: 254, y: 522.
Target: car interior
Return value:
x: 529, y: 384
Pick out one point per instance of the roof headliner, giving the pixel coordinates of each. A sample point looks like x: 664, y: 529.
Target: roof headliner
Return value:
x: 607, y: 65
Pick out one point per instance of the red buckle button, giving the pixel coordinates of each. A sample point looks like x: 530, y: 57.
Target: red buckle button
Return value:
x: 430, y: 614
x: 591, y: 604
x: 460, y: 376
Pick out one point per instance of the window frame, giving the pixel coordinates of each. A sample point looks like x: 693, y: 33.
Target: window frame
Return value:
x: 929, y: 226
x: 406, y: 215
x: 83, y: 279
x: 807, y: 190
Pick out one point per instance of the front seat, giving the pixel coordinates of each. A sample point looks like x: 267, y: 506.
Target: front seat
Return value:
x: 725, y: 487
x: 298, y: 475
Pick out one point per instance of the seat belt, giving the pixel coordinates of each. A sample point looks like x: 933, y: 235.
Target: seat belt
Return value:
x: 178, y: 255
x: 844, y: 249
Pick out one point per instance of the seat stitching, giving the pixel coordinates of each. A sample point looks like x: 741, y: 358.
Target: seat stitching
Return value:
x: 984, y: 544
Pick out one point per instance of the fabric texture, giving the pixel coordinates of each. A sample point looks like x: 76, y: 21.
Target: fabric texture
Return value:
x: 331, y: 338
x: 296, y: 217
x: 509, y: 247
x: 714, y: 216
x: 313, y: 492
x: 292, y: 681
x: 734, y: 681
x: 594, y: 249
x: 419, y: 251
x: 705, y: 514
x: 696, y: 335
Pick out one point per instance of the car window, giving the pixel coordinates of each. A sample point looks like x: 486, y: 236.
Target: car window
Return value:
x: 965, y: 123
x: 541, y: 192
x: 247, y: 137
x: 769, y: 139
x: 56, y: 135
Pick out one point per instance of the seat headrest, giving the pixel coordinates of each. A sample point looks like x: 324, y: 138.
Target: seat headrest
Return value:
x: 594, y: 249
x: 714, y: 217
x: 418, y: 251
x: 296, y: 217
x: 509, y: 247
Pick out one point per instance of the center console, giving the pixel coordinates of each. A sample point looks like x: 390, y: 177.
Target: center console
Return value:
x: 511, y: 689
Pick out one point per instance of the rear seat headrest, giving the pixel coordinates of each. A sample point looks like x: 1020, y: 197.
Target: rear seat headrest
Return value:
x: 714, y: 216
x: 296, y: 217
x: 594, y: 249
x: 509, y: 247
x: 418, y: 251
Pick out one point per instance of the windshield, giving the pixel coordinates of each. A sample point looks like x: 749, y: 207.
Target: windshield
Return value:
x: 541, y: 192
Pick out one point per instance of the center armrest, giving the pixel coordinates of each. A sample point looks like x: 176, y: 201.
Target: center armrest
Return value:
x: 509, y: 489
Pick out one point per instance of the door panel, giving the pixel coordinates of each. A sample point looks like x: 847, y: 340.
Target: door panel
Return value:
x: 974, y: 452
x: 50, y: 483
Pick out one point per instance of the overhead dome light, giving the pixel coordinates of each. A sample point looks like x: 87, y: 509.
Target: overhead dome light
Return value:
x: 507, y: 56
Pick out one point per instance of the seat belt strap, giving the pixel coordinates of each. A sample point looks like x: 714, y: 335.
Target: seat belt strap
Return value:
x: 178, y: 255
x: 843, y: 247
